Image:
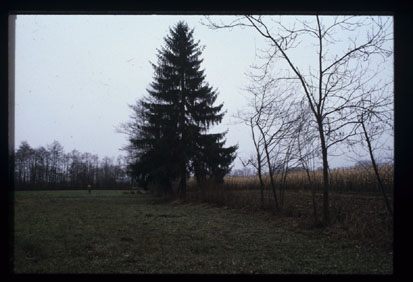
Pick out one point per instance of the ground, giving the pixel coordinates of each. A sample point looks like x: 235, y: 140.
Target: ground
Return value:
x: 120, y: 232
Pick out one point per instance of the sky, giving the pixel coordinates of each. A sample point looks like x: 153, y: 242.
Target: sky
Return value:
x: 75, y: 76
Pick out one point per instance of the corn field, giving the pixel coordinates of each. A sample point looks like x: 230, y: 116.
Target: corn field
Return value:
x: 344, y: 180
x: 356, y: 203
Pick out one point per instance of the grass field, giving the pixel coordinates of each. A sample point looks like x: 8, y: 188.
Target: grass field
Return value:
x: 119, y: 232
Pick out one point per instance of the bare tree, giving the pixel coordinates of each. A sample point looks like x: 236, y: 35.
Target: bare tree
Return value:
x: 343, y: 50
x: 56, y: 155
x: 257, y: 160
x: 271, y: 117
x: 375, y: 120
x: 132, y: 128
x: 307, y: 151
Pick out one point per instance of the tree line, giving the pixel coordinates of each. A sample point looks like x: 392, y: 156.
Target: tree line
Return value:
x: 50, y: 167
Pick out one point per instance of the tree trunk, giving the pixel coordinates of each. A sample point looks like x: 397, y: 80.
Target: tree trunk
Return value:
x: 259, y: 167
x: 183, y: 140
x: 376, y: 171
x: 269, y: 167
x: 326, y: 213
x: 168, y: 188
x: 271, y: 177
x: 282, y: 187
x: 261, y: 181
x: 183, y: 183
x: 313, y: 194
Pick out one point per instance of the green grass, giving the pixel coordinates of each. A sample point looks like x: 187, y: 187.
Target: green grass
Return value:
x: 114, y: 232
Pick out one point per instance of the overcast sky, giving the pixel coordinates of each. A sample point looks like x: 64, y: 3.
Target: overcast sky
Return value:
x: 76, y: 74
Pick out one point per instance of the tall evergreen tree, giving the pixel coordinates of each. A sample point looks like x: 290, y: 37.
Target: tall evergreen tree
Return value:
x: 171, y: 140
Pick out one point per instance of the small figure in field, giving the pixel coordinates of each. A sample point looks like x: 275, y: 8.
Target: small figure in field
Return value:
x: 89, y: 187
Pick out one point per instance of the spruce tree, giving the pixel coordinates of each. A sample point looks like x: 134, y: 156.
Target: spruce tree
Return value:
x: 172, y: 140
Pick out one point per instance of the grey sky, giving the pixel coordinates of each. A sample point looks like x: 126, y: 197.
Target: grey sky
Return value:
x: 76, y: 75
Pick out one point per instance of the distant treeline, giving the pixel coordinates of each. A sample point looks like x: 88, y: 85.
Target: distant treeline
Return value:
x: 51, y: 167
